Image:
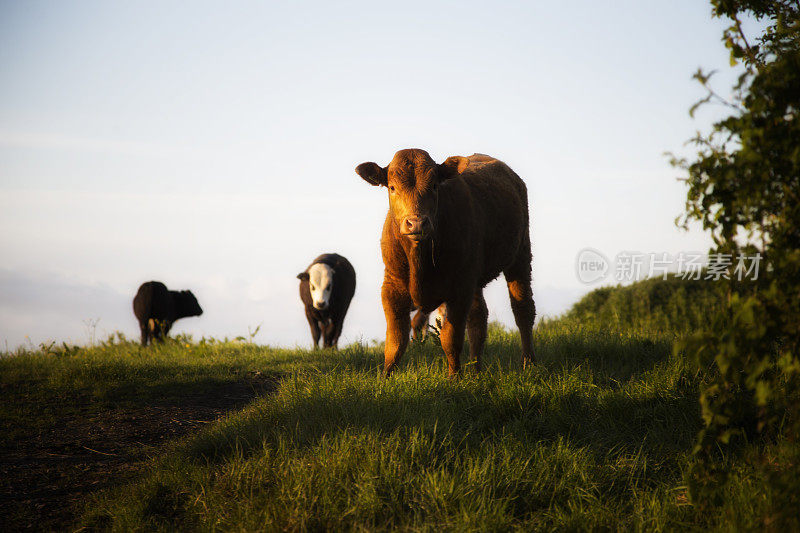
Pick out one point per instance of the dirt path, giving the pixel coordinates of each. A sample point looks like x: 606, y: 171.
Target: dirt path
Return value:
x: 45, y: 478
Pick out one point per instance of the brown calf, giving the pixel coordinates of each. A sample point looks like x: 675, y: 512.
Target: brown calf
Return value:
x: 451, y: 229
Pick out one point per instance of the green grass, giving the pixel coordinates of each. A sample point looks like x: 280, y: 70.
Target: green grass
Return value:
x: 40, y: 386
x: 597, y: 435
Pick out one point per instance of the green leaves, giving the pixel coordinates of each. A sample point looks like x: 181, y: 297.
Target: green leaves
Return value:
x: 744, y: 187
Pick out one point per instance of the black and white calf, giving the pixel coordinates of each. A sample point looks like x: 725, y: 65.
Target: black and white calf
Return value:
x: 420, y: 320
x: 326, y: 289
x: 157, y: 308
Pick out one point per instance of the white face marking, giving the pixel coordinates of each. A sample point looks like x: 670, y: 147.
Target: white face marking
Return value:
x: 320, y: 281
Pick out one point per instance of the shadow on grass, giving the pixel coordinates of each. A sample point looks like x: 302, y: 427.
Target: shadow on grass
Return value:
x: 589, y: 393
x: 611, y: 357
x: 201, y: 391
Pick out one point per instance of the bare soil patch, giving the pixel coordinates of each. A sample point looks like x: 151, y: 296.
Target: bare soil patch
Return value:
x: 45, y: 476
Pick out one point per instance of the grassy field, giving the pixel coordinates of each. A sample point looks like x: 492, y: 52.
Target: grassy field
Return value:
x: 234, y: 436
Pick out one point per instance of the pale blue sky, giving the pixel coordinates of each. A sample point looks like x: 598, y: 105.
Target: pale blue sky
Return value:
x: 212, y: 147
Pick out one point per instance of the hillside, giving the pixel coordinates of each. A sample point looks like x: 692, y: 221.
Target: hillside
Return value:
x: 232, y: 436
x: 671, y: 305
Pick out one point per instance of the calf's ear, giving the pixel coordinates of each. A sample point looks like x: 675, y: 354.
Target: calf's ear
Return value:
x: 303, y: 276
x: 372, y: 173
x: 452, y: 167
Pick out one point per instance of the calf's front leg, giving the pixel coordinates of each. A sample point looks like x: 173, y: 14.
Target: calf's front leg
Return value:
x: 397, y: 308
x: 329, y: 333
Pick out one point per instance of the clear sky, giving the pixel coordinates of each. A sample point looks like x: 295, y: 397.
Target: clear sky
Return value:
x: 212, y: 145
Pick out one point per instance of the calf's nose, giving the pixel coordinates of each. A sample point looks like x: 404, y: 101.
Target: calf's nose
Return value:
x: 416, y: 224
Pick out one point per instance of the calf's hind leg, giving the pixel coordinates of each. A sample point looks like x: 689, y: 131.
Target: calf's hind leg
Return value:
x: 419, y: 325
x: 154, y: 330
x: 518, y: 279
x: 315, y: 332
x: 476, y: 328
x: 159, y: 329
x: 337, y: 332
x: 452, y: 336
x: 144, y: 329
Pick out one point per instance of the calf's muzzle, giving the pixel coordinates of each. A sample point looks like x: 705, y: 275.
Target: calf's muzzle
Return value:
x: 416, y: 227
